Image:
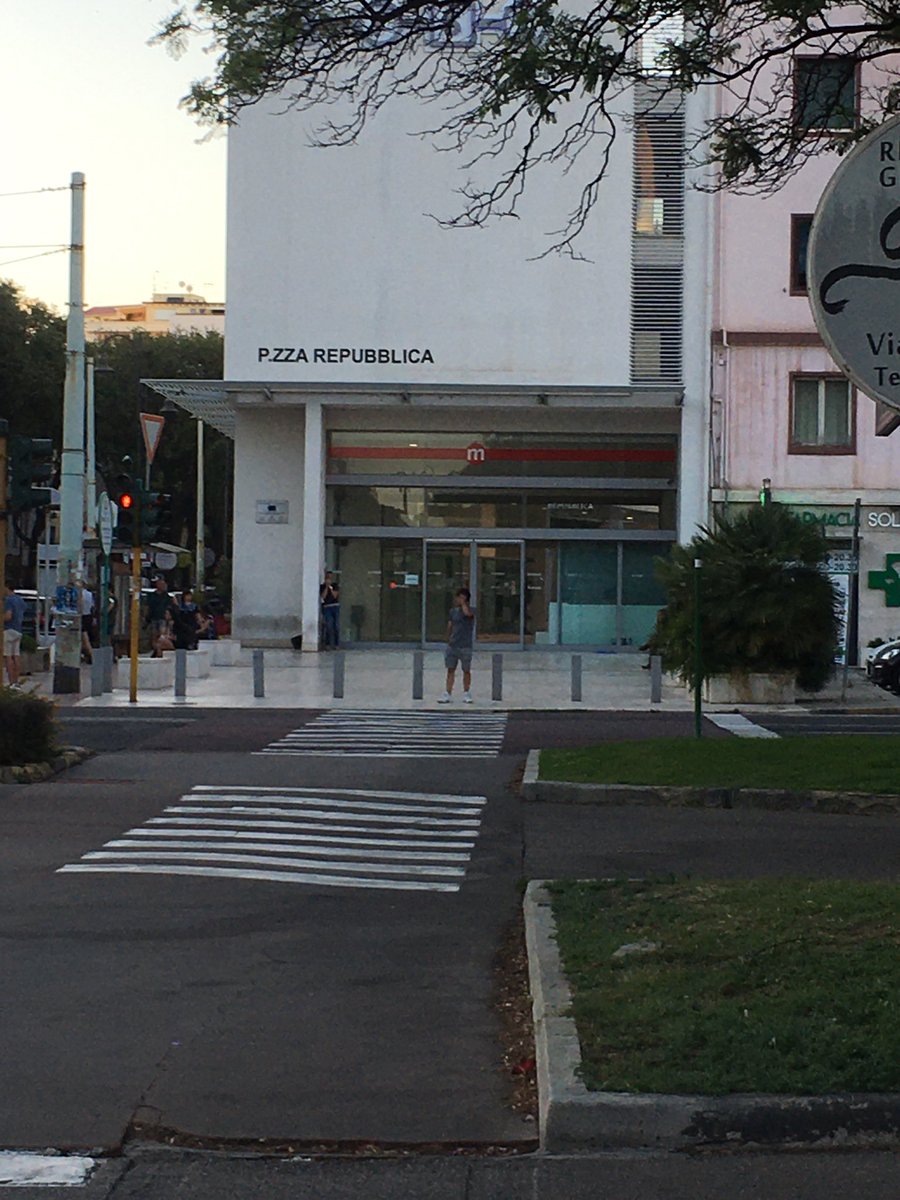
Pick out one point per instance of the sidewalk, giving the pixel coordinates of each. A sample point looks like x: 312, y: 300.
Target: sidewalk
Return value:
x: 382, y: 679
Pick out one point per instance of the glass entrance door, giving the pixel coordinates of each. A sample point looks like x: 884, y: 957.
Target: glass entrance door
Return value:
x: 492, y: 571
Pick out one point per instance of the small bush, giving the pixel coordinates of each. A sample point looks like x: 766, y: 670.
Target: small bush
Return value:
x: 29, y: 645
x: 28, y: 729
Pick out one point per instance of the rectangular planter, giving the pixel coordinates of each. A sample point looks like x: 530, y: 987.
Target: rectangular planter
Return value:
x: 777, y: 687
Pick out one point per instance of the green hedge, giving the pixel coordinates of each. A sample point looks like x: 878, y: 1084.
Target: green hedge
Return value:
x: 28, y: 730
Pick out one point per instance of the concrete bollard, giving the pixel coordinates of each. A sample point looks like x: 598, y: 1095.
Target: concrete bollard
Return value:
x: 96, y: 673
x: 259, y: 678
x: 180, y: 674
x: 108, y: 659
x: 496, y: 676
x: 418, y: 678
x: 337, y: 689
x: 655, y: 679
x: 576, y: 676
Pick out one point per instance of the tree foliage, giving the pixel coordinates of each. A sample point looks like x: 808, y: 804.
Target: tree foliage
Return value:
x: 766, y: 603
x: 122, y: 361
x: 521, y: 84
x: 32, y: 364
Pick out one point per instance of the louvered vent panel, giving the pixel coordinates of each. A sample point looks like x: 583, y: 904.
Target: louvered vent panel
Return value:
x: 657, y: 239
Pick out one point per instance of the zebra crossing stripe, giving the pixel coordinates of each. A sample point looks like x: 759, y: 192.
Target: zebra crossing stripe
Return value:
x: 358, y: 733
x: 343, y: 838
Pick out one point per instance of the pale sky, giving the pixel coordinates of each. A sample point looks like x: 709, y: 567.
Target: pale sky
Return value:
x: 80, y: 90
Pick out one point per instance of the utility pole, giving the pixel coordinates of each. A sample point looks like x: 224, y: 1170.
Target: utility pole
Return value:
x: 4, y: 430
x: 67, y: 664
x: 200, y: 546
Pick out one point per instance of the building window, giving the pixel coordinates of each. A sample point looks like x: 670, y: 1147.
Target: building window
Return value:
x: 825, y: 93
x: 823, y: 416
x: 801, y: 223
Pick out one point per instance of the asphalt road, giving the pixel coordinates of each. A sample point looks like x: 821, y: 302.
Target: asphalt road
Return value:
x: 242, y: 1013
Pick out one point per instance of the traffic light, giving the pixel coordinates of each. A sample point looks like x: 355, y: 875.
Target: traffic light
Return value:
x: 156, y: 516
x: 128, y: 499
x: 30, y: 469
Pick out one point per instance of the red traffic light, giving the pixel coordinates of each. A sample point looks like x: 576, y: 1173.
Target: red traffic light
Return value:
x: 126, y: 500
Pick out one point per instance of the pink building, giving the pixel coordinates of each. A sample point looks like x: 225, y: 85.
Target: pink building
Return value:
x: 782, y: 415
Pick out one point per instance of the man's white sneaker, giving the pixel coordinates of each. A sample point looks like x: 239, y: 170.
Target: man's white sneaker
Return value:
x: 445, y: 699
x: 467, y: 699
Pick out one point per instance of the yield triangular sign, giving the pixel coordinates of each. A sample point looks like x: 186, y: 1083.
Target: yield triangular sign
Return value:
x: 151, y: 428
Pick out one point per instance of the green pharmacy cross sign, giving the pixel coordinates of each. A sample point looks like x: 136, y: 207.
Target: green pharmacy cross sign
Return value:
x: 888, y: 580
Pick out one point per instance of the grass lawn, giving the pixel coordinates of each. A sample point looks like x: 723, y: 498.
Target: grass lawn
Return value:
x: 782, y: 986
x: 857, y: 763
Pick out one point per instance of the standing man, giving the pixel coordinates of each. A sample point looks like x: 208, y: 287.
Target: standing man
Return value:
x: 87, y: 624
x: 460, y: 639
x: 159, y: 603
x: 330, y: 599
x: 13, y: 617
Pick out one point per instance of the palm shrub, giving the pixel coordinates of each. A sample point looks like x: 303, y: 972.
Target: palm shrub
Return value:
x: 27, y: 728
x: 766, y: 603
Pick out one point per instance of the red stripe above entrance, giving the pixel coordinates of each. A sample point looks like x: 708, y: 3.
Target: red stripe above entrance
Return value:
x: 504, y: 454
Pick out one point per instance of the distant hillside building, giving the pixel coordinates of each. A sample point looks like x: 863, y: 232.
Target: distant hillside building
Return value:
x: 165, y: 313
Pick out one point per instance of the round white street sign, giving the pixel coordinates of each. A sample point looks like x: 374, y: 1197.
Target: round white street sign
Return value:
x: 105, y: 522
x: 165, y: 559
x: 853, y: 265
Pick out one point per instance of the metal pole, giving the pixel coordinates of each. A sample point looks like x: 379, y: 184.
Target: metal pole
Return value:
x: 851, y: 625
x: 107, y: 655
x: 4, y: 430
x: 134, y: 621
x: 67, y: 661
x: 337, y: 690
x: 496, y: 676
x: 200, y: 547
x: 698, y: 655
x: 180, y: 674
x: 576, y: 676
x: 259, y: 681
x: 97, y: 666
x: 655, y: 679
x: 418, y: 679
x: 90, y: 462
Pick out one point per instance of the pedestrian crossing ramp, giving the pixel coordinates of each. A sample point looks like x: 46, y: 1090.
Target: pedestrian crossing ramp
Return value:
x: 335, y: 837
x: 361, y: 733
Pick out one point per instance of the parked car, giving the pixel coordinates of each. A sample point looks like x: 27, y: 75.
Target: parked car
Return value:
x: 883, y: 666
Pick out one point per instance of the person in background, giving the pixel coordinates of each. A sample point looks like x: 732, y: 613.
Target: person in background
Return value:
x: 87, y: 624
x: 159, y: 603
x: 330, y: 599
x: 185, y: 619
x: 460, y: 640
x: 13, y: 618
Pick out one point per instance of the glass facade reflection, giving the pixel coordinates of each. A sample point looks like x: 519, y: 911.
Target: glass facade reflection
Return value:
x: 551, y: 557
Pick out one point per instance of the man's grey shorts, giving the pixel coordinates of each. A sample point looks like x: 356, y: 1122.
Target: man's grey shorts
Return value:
x: 452, y: 657
x: 12, y: 643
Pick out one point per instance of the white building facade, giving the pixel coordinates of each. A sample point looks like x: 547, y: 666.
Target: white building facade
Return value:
x: 419, y: 408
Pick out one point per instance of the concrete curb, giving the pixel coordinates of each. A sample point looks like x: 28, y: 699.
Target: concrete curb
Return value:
x: 38, y: 772
x: 573, y: 1119
x: 776, y: 800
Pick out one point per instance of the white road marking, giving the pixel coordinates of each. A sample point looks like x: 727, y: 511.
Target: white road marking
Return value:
x: 412, y: 734
x: 411, y: 885
x: 467, y: 835
x: 403, y: 839
x: 739, y: 725
x: 285, y: 848
x: 24, y: 1169
x: 387, y: 818
x: 399, y: 840
x: 432, y: 797
x: 242, y: 800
